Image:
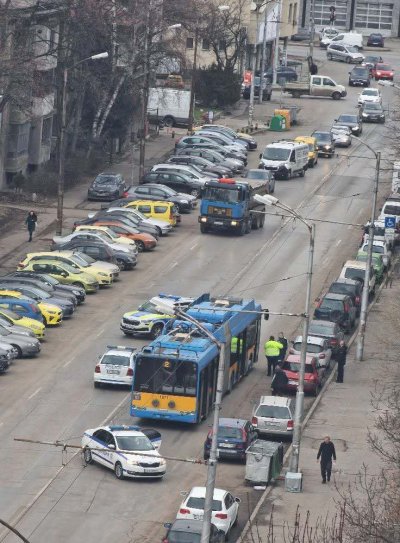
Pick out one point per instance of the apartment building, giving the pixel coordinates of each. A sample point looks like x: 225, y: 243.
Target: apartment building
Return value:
x: 30, y: 36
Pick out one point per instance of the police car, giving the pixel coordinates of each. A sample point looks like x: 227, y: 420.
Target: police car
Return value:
x: 149, y: 319
x: 129, y: 451
x: 115, y: 366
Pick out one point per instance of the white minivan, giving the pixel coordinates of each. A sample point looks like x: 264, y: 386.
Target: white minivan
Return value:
x: 285, y: 159
x: 348, y: 38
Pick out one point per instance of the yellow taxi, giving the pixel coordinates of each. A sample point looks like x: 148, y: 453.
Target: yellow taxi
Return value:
x: 312, y: 149
x: 31, y: 324
x: 52, y: 314
x: 101, y: 273
x: 110, y: 234
x: 164, y: 211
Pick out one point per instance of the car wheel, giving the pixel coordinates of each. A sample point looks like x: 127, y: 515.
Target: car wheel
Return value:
x: 87, y: 456
x: 159, y: 232
x: 195, y: 193
x: 18, y: 349
x: 302, y: 173
x: 121, y: 264
x: 156, y: 330
x: 329, y: 56
x: 79, y: 285
x: 336, y: 96
x: 119, y: 472
x: 140, y: 246
x: 168, y: 122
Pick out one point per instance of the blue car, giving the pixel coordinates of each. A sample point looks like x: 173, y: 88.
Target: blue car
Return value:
x: 24, y: 307
x: 234, y: 437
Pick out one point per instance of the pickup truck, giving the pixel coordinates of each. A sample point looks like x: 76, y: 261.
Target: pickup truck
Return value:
x: 318, y: 85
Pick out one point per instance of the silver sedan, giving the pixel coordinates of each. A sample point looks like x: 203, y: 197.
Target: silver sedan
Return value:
x: 341, y: 135
x: 24, y: 345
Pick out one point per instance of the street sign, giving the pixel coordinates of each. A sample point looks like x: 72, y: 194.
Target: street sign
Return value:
x: 390, y: 222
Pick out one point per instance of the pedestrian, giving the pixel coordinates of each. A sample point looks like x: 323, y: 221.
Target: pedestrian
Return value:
x: 341, y: 360
x: 283, y: 351
x: 272, y: 349
x: 31, y: 222
x: 279, y: 381
x: 325, y: 454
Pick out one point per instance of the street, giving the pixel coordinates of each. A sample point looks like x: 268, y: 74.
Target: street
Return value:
x: 50, y: 495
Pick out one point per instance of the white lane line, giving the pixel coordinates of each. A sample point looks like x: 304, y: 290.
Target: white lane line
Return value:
x: 101, y: 331
x: 193, y: 246
x: 339, y: 241
x: 34, y: 393
x: 68, y: 362
x: 173, y: 266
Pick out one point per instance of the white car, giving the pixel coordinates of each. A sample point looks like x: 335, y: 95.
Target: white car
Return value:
x: 127, y: 450
x: 369, y: 95
x: 115, y: 366
x: 380, y: 247
x: 225, y: 507
x: 316, y: 346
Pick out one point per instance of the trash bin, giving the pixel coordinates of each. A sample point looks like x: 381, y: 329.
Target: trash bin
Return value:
x: 285, y: 113
x: 294, y: 111
x: 263, y: 461
x: 278, y: 123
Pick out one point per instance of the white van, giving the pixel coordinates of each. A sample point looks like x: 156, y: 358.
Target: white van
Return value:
x: 355, y: 269
x: 285, y: 159
x: 348, y: 38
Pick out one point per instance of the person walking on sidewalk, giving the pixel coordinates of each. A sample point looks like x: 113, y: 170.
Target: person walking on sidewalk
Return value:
x: 279, y: 381
x: 325, y: 454
x: 31, y: 222
x: 283, y: 351
x: 341, y: 361
x: 272, y: 349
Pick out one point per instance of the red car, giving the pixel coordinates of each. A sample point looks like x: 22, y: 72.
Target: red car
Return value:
x: 382, y: 71
x: 313, y: 377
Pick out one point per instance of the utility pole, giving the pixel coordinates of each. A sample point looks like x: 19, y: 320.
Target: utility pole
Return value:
x: 192, y: 86
x: 254, y: 67
x: 312, y: 28
x: 145, y: 94
x: 276, y: 50
x: 61, y: 155
x: 263, y: 55
x: 365, y: 292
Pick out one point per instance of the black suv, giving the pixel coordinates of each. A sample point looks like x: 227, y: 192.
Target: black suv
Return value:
x: 184, y: 202
x: 360, y: 76
x: 337, y: 308
x: 98, y: 251
x: 189, y: 531
x: 325, y: 143
x: 351, y: 288
x: 107, y: 186
x: 179, y: 182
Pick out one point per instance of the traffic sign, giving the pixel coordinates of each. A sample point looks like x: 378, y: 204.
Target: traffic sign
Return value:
x: 390, y: 222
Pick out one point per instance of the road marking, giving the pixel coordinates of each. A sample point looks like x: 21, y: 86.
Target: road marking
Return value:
x: 193, y: 246
x: 68, y: 362
x: 172, y: 266
x: 339, y: 241
x: 34, y: 393
x: 101, y: 331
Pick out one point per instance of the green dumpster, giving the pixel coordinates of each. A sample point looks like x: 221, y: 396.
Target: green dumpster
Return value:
x: 278, y: 123
x: 263, y: 461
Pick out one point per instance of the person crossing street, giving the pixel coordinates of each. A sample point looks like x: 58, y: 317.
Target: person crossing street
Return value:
x: 272, y: 350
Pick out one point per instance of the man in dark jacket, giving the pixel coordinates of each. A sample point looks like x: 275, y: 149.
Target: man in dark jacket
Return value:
x: 31, y: 222
x: 283, y: 351
x: 326, y: 452
x: 279, y: 381
x: 341, y: 361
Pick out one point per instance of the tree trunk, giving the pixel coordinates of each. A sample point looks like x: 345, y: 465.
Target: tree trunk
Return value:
x: 77, y: 117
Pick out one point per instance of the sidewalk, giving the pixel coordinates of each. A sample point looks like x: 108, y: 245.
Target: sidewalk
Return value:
x: 344, y: 413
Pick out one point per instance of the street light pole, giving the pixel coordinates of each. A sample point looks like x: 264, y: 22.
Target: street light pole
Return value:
x: 254, y: 67
x: 299, y: 407
x: 312, y: 29
x: 61, y: 143
x: 194, y: 71
x: 371, y: 231
x: 263, y: 55
x: 276, y: 49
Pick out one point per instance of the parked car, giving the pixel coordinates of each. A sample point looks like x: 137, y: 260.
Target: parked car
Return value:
x: 184, y: 202
x: 143, y: 241
x: 283, y: 75
x: 382, y: 71
x: 115, y: 213
x: 354, y: 269
x: 189, y: 531
x: 115, y: 366
x: 224, y: 509
x: 313, y: 378
x: 202, y: 163
x: 262, y: 175
x: 65, y: 273
x: 186, y: 169
x: 373, y: 112
x: 360, y: 76
x: 234, y: 436
x: 354, y: 122
x: 92, y: 235
x: 209, y: 152
x: 21, y: 320
x: 349, y: 287
x: 341, y: 135
x: 274, y: 416
x: 344, y: 53
x: 267, y: 89
x: 325, y: 143
x: 156, y: 209
x: 99, y: 251
x: 337, y: 308
x: 236, y: 136
x: 107, y: 186
x: 110, y: 237
x: 145, y: 224
x: 380, y: 248
x: 176, y: 181
x: 375, y: 40
x: 51, y: 281
x: 236, y: 148
x: 198, y: 139
x: 316, y: 346
x: 368, y: 96
x: 24, y: 345
x: 34, y: 281
x: 302, y: 34
x: 377, y: 263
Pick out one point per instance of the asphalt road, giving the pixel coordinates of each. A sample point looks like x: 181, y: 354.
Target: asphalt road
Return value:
x: 52, y: 397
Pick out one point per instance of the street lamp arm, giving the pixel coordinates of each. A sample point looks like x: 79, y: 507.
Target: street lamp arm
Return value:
x: 93, y: 57
x: 375, y: 153
x: 184, y: 316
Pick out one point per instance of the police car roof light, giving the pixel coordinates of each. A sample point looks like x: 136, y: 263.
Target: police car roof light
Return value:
x: 120, y: 427
x: 121, y: 348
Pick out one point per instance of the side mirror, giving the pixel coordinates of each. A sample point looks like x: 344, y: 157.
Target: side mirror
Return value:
x: 237, y: 500
x: 64, y: 274
x: 167, y: 525
x: 111, y: 446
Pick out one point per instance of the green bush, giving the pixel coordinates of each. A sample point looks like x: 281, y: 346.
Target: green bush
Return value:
x: 217, y: 88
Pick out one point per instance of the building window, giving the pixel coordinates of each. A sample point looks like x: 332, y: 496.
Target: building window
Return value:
x: 205, y: 45
x: 374, y: 16
x: 189, y: 43
x: 47, y: 130
x: 18, y: 140
x: 295, y: 13
x: 322, y: 12
x: 290, y: 13
x: 222, y: 45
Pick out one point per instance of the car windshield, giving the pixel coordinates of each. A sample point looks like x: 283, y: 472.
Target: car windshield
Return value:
x: 86, y: 258
x: 149, y: 307
x: 276, y: 153
x: 198, y: 503
x: 359, y: 71
x: 376, y: 260
x: 115, y: 360
x: 10, y: 314
x: 140, y: 215
x: 227, y: 432
x: 110, y: 233
x: 354, y: 273
x: 320, y: 329
x: 105, y: 180
x: 311, y: 347
x: 340, y: 130
x: 348, y: 118
x: 332, y: 305
x: 258, y: 174
x: 79, y: 260
x: 373, y: 107
x: 221, y: 194
x: 372, y: 59
x: 352, y: 49
x: 295, y: 367
x: 375, y: 249
x: 322, y: 136
x: 384, y: 67
x: 273, y: 412
x: 369, y: 92
x: 342, y: 288
x: 134, y: 443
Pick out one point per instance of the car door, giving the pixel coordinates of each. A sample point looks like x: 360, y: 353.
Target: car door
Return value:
x: 159, y: 193
x: 231, y: 507
x: 99, y: 441
x: 327, y: 85
x: 142, y: 191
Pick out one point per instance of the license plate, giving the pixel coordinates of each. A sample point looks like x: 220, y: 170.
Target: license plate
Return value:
x: 291, y: 382
x: 198, y: 517
x: 113, y: 372
x: 218, y: 223
x: 272, y: 423
x: 226, y: 445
